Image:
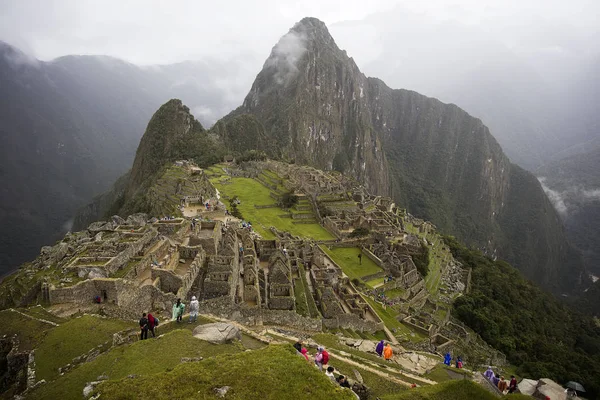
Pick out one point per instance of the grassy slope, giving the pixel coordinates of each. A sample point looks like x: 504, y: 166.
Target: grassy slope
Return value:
x: 273, y: 373
x: 251, y: 193
x: 454, y: 390
x: 347, y: 258
x: 71, y: 339
x: 30, y: 332
x: 141, y: 358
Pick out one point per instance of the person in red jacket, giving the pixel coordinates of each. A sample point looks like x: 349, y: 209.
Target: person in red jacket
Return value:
x: 151, y: 324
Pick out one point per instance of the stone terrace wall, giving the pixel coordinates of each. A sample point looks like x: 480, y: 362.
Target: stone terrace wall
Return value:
x: 86, y: 291
x: 352, y: 321
x: 169, y: 281
x: 131, y: 251
x: 191, y: 275
x: 252, y: 316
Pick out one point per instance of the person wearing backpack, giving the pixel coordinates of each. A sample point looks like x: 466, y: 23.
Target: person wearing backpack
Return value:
x: 325, y: 357
x: 151, y: 324
x: 144, y: 327
x: 319, y: 358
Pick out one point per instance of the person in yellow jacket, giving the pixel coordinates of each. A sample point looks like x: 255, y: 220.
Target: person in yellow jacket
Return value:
x: 388, y: 352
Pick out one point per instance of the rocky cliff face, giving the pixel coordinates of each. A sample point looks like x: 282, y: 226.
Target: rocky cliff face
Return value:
x: 314, y: 104
x: 443, y: 164
x: 172, y: 134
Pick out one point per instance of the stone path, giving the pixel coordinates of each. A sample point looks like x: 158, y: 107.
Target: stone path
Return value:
x: 34, y: 318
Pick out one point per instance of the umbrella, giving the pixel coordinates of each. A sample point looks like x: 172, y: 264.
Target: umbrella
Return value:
x: 575, y: 386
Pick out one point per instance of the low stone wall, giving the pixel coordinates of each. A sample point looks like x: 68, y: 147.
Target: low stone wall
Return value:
x: 252, y: 316
x: 131, y: 251
x: 169, y: 281
x: 373, y: 257
x: 421, y: 329
x: 191, y: 275
x: 86, y: 291
x: 352, y: 321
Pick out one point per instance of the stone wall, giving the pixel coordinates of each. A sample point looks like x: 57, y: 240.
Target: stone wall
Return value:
x: 169, y: 281
x: 190, y: 277
x: 253, y: 316
x: 132, y: 250
x: 373, y: 257
x: 85, y: 292
x: 352, y: 321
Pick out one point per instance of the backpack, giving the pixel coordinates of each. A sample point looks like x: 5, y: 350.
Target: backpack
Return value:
x: 325, y: 357
x: 155, y: 321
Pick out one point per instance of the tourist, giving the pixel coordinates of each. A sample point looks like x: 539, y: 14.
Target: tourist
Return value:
x: 502, y: 385
x: 447, y: 359
x: 459, y: 362
x: 151, y: 324
x: 512, y: 386
x: 194, y: 307
x: 304, y: 352
x: 388, y: 352
x: 489, y: 374
x: 298, y: 345
x: 343, y: 381
x: 144, y: 327
x: 329, y: 373
x: 178, y: 309
x: 319, y: 358
x: 325, y: 357
x: 379, y: 348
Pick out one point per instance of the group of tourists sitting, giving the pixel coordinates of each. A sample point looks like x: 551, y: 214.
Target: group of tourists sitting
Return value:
x: 500, y: 383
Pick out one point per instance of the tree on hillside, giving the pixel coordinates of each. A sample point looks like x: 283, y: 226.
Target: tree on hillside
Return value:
x: 288, y: 200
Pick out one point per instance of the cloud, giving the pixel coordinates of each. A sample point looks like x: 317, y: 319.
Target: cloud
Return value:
x: 593, y: 194
x: 285, y: 56
x: 16, y: 58
x: 557, y: 198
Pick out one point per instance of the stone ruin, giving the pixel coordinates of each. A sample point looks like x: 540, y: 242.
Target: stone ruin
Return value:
x: 145, y: 263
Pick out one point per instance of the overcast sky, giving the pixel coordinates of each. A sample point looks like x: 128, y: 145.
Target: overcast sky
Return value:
x: 155, y: 31
x: 421, y: 45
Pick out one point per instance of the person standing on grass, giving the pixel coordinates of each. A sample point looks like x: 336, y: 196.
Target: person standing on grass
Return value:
x: 304, y: 353
x: 512, y: 386
x: 388, y: 352
x: 194, y: 307
x: 178, y: 309
x: 151, y: 324
x: 319, y: 358
x: 143, y: 327
x: 298, y: 345
x: 379, y: 348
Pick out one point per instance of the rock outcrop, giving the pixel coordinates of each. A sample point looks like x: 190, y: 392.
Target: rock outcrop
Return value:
x: 217, y: 333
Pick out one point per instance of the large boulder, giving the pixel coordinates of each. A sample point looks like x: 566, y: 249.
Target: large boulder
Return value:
x: 367, y: 346
x: 217, y: 333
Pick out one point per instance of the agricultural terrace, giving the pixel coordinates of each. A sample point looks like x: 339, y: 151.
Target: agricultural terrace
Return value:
x: 252, y: 193
x: 347, y: 259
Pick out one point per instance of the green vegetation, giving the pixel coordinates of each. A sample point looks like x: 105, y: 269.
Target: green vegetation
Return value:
x: 347, y: 259
x: 29, y: 331
x: 453, y: 390
x: 288, y: 200
x: 141, y: 358
x: 422, y: 259
x: 273, y: 373
x: 250, y: 192
x: 312, y: 307
x: 72, y: 339
x: 544, y: 337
